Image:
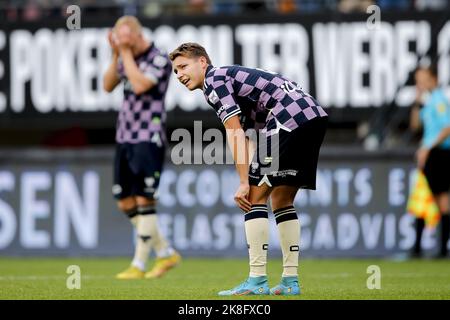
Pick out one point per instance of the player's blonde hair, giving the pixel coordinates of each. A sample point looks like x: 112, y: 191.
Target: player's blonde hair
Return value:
x: 190, y: 50
x: 130, y: 21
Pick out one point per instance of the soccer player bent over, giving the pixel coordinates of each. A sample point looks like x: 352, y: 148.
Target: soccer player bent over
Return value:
x: 287, y: 120
x: 140, y: 138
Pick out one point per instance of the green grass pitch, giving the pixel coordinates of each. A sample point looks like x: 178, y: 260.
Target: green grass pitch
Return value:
x: 45, y: 278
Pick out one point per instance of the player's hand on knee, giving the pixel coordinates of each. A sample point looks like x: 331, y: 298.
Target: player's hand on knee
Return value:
x: 241, y: 197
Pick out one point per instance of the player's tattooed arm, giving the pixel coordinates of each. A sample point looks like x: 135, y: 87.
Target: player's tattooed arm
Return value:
x: 238, y: 144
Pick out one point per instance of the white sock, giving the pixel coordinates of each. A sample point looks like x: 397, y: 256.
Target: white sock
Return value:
x: 134, y: 221
x: 145, y: 232
x: 162, y: 247
x: 288, y: 227
x: 159, y: 243
x: 133, y: 216
x: 165, y: 252
x: 138, y: 264
x: 257, y: 234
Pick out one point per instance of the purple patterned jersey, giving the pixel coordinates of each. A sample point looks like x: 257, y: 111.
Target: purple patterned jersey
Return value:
x: 264, y: 100
x: 142, y: 117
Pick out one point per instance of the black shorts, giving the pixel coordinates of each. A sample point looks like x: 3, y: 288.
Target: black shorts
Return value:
x: 437, y: 170
x: 137, y: 169
x: 289, y: 158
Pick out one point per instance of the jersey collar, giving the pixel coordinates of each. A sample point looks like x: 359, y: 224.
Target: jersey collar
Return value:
x: 208, y: 69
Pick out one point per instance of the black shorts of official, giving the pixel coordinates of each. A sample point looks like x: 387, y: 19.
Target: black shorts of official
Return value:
x: 437, y: 170
x: 137, y: 169
x: 295, y: 157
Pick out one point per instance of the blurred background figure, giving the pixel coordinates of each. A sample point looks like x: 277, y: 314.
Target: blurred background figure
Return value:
x: 226, y: 7
x: 431, y: 4
x: 287, y: 6
x: 198, y: 7
x: 141, y: 141
x: 395, y: 4
x: 431, y: 111
x: 348, y: 6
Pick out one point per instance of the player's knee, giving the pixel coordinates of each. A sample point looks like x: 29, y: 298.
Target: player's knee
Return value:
x: 283, y: 197
x: 259, y: 195
x: 126, y: 204
x: 444, y: 208
x: 281, y: 201
x: 443, y: 202
x: 145, y: 201
x: 281, y: 204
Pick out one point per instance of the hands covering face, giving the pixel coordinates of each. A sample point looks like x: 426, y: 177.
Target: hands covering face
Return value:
x: 120, y: 38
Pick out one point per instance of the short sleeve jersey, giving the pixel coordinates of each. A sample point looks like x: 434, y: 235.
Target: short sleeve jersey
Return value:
x: 142, y: 117
x: 263, y: 100
x: 435, y: 116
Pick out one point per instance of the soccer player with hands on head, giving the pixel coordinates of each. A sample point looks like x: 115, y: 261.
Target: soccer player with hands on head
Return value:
x: 140, y: 136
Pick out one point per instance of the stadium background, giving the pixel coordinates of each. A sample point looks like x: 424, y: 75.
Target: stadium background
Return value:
x: 57, y: 124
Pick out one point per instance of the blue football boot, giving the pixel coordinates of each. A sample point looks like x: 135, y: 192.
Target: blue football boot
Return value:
x: 287, y: 287
x: 251, y: 286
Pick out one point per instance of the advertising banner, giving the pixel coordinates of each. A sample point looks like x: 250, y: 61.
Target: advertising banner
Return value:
x: 52, y: 74
x: 62, y: 204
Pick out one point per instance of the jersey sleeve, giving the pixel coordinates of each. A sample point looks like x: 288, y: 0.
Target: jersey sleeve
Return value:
x: 221, y: 97
x: 155, y: 68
